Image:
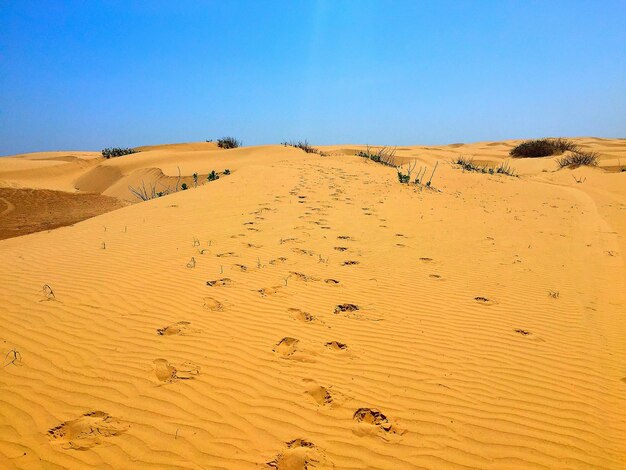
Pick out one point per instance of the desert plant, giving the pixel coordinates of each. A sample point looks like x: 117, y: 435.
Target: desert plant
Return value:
x: 213, y: 176
x: 228, y: 143
x: 431, y: 175
x: 116, y: 152
x: 384, y: 155
x: 145, y: 194
x: 542, y: 148
x: 505, y: 169
x: 405, y: 178
x: 227, y: 171
x: 468, y: 165
x: 183, y: 186
x: 578, y: 158
x: 195, y: 179
x: 303, y: 145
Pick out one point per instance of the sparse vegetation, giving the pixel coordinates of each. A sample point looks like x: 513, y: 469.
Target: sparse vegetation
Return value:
x: 405, y: 178
x: 384, y: 155
x: 145, y: 194
x: 542, y: 148
x: 151, y: 192
x: 303, y: 145
x: 578, y: 158
x: 117, y: 152
x: 468, y: 165
x: 228, y: 143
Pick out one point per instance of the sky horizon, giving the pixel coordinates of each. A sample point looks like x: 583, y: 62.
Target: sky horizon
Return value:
x: 87, y: 75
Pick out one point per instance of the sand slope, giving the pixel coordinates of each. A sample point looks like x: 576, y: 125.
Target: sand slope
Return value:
x: 311, y: 312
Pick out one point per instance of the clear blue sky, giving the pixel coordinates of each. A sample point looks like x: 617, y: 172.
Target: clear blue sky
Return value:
x: 89, y: 74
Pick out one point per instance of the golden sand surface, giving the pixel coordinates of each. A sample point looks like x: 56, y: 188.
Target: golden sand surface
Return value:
x: 310, y: 311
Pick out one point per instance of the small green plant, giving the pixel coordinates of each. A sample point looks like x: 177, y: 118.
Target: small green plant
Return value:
x: 227, y: 171
x: 228, y: 143
x: 213, y: 176
x: 117, y: 152
x: 183, y: 186
x: 405, y: 178
x: 578, y: 158
x: 195, y: 180
x: 542, y: 148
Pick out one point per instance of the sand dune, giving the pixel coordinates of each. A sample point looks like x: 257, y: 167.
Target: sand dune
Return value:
x: 311, y: 312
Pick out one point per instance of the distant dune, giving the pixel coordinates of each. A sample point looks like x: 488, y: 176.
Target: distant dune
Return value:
x: 307, y: 311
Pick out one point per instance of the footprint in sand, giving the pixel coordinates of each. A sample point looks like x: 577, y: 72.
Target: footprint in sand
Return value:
x: 484, y: 300
x: 224, y: 282
x: 303, y: 277
x: 371, y: 421
x: 286, y: 347
x: 265, y: 291
x: 300, y: 454
x: 350, y: 263
x: 332, y: 282
x: 85, y: 432
x: 291, y: 349
x: 336, y: 346
x: 241, y: 267
x: 527, y: 334
x: 228, y: 254
x: 301, y: 315
x: 303, y: 252
x: 341, y: 248
x: 346, y: 308
x: 212, y: 304
x: 167, y: 372
x: 323, y: 396
x: 426, y: 260
x: 178, y: 328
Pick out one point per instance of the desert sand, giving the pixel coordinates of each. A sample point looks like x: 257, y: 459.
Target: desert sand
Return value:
x: 310, y: 311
